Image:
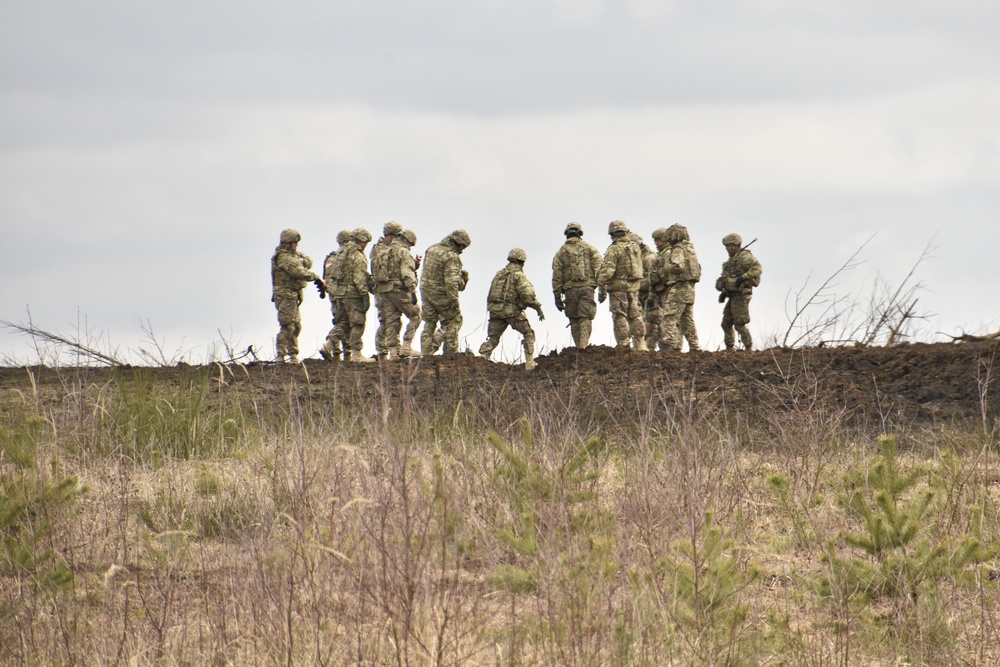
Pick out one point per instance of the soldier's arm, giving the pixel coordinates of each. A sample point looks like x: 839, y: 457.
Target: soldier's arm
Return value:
x: 607, y: 270
x: 452, y: 278
x: 407, y: 269
x: 293, y: 267
x: 751, y: 269
x: 557, y: 273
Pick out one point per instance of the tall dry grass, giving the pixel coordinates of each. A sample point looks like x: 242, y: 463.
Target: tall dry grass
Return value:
x: 214, y: 521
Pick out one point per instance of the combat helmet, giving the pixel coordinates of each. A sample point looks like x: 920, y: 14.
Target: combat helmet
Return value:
x: 392, y: 228
x: 461, y: 238
x: 290, y: 236
x: 732, y: 239
x: 517, y: 255
x: 677, y: 233
x: 410, y: 237
x: 617, y: 227
x: 343, y: 236
x: 361, y: 234
x: 573, y: 229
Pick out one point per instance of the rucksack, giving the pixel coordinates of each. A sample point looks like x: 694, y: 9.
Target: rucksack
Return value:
x: 693, y: 266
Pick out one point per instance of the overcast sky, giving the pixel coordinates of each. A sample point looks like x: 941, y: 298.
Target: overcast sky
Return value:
x: 151, y: 152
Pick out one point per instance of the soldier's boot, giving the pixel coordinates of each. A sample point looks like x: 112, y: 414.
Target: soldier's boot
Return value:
x: 529, y: 361
x: 640, y: 345
x: 438, y: 339
x: 486, y: 349
x: 293, y: 359
x: 328, y: 353
x: 362, y: 359
x: 347, y: 355
x: 407, y: 349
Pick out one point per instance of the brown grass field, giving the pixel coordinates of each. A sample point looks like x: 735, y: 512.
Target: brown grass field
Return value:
x: 803, y: 507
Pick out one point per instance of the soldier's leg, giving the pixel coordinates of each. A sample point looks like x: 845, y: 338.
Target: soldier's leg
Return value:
x: 671, y: 335
x: 523, y: 327
x: 688, y: 329
x: 289, y: 326
x: 430, y: 319
x: 729, y: 337
x: 329, y: 350
x: 618, y: 305
x: 586, y: 326
x: 451, y: 330
x: 636, y: 327
x: 574, y: 331
x: 494, y: 329
x: 741, y: 318
x: 380, y: 303
x: 412, y: 313
x: 392, y: 315
x: 652, y: 318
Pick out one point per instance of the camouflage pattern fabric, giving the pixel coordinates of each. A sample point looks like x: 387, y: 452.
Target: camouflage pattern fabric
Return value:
x: 393, y: 296
x: 441, y: 280
x: 620, y: 276
x: 626, y: 316
x: 290, y: 273
x: 651, y: 316
x: 677, y: 302
x: 353, y: 283
x: 574, y: 277
x: 510, y: 294
x: 332, y: 345
x: 740, y: 274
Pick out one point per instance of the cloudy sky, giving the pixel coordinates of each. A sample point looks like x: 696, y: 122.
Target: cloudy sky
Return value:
x: 151, y: 152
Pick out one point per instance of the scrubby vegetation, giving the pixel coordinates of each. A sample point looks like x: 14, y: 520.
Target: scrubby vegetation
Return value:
x: 216, y: 516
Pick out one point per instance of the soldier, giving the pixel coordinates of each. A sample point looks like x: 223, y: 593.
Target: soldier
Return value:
x: 350, y: 270
x: 620, y: 275
x: 395, y: 274
x: 678, y: 271
x: 574, y: 277
x: 441, y: 279
x: 510, y: 294
x: 740, y: 274
x: 331, y: 347
x: 380, y: 250
x: 289, y: 275
x: 647, y: 297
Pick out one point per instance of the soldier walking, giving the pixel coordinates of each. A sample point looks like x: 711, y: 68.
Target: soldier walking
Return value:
x: 441, y: 280
x: 395, y: 275
x: 574, y: 278
x: 619, y: 277
x: 510, y: 294
x: 740, y: 274
x: 290, y: 272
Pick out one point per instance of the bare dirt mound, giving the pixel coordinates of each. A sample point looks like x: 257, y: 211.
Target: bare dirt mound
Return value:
x: 915, y: 382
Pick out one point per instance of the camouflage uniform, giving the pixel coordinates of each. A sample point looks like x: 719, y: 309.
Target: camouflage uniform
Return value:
x: 740, y: 274
x: 353, y: 283
x: 395, y: 275
x: 574, y: 277
x: 647, y: 297
x: 441, y: 279
x: 289, y: 275
x: 619, y: 278
x: 331, y: 348
x: 679, y: 271
x: 510, y: 293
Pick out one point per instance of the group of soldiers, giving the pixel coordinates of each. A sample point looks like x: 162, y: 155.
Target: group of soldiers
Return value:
x: 650, y: 292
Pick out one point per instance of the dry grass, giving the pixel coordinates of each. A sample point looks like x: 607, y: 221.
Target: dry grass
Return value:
x: 247, y: 529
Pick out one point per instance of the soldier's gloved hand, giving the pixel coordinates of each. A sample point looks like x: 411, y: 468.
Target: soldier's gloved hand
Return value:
x: 560, y: 306
x: 416, y: 262
x: 722, y: 297
x: 541, y: 315
x: 602, y: 296
x: 650, y: 303
x: 413, y: 298
x: 740, y: 281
